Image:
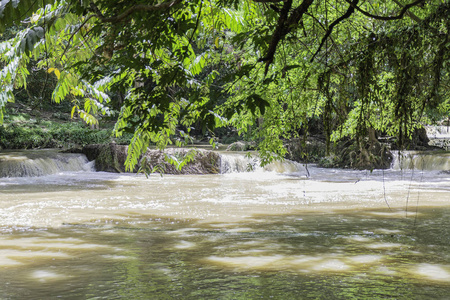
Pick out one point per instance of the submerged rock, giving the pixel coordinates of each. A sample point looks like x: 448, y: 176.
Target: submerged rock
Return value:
x: 112, y: 157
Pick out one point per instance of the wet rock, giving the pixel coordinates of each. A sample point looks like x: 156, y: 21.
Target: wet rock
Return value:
x: 184, y: 161
x: 108, y: 157
x: 112, y: 157
x: 310, y: 150
x: 366, y: 155
x: 419, y: 140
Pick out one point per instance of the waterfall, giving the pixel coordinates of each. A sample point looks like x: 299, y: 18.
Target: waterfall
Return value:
x: 439, y: 136
x: 41, y: 163
x: 434, y: 160
x: 238, y: 162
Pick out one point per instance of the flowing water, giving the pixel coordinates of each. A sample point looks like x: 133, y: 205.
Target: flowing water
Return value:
x: 439, y: 136
x: 284, y: 232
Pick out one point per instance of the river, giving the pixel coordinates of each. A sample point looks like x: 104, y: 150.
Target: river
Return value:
x: 287, y: 232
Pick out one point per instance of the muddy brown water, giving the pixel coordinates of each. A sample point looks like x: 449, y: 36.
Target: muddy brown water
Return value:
x: 337, y: 234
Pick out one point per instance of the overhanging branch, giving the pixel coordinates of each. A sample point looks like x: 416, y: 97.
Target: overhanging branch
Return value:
x: 268, y: 1
x: 133, y: 9
x: 74, y: 33
x: 286, y: 23
x: 397, y: 17
x: 410, y: 14
x: 348, y: 13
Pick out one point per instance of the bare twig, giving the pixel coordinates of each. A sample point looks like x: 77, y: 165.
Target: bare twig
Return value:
x: 73, y: 34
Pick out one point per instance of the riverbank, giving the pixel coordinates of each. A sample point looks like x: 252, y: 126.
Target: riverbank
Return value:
x: 25, y: 128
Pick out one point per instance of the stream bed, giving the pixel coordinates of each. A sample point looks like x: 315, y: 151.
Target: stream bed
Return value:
x: 335, y: 234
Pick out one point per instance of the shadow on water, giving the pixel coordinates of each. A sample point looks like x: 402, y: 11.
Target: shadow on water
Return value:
x: 232, y: 236
x: 368, y: 254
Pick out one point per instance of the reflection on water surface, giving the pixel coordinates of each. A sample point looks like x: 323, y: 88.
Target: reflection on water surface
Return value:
x: 234, y: 236
x: 290, y: 256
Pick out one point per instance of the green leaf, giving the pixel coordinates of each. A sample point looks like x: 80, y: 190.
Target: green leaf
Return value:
x: 256, y: 101
x: 13, y: 11
x: 39, y: 31
x: 75, y: 107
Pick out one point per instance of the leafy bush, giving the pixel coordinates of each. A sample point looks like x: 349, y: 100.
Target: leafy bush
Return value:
x: 53, y: 135
x: 18, y: 137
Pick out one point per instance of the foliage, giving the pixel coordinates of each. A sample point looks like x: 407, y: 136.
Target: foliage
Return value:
x: 24, y: 132
x: 268, y: 68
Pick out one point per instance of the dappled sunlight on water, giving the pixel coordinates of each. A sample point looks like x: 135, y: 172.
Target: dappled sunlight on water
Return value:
x: 46, y: 276
x: 434, y: 272
x: 164, y: 253
x: 336, y: 234
x: 329, y: 263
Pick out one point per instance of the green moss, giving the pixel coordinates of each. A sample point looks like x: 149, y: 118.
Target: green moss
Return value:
x: 107, y: 159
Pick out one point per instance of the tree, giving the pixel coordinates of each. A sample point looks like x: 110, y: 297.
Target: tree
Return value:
x: 359, y: 66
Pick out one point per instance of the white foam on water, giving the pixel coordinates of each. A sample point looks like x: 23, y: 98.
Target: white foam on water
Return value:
x: 364, y: 259
x: 242, y: 163
x: 382, y: 246
x: 42, y: 163
x: 13, y: 257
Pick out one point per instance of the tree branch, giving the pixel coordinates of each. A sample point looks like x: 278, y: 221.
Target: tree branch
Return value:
x: 286, y: 23
x: 73, y: 34
x: 196, y: 22
x: 399, y: 16
x: 279, y: 33
x: 348, y: 13
x: 410, y: 14
x: 133, y: 9
x: 268, y: 1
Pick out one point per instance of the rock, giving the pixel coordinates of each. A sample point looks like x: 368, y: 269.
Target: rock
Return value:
x: 367, y: 155
x: 108, y: 157
x: 200, y: 161
x: 420, y: 138
x: 311, y: 150
x: 112, y: 157
x: 241, y: 146
x: 419, y: 141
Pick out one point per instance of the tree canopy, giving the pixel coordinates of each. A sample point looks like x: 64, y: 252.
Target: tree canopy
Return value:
x: 275, y: 64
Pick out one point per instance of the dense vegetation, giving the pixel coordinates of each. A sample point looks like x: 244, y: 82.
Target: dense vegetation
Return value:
x: 272, y: 69
x: 25, y: 131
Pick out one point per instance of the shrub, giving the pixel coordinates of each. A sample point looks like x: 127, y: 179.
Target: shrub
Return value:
x: 53, y: 135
